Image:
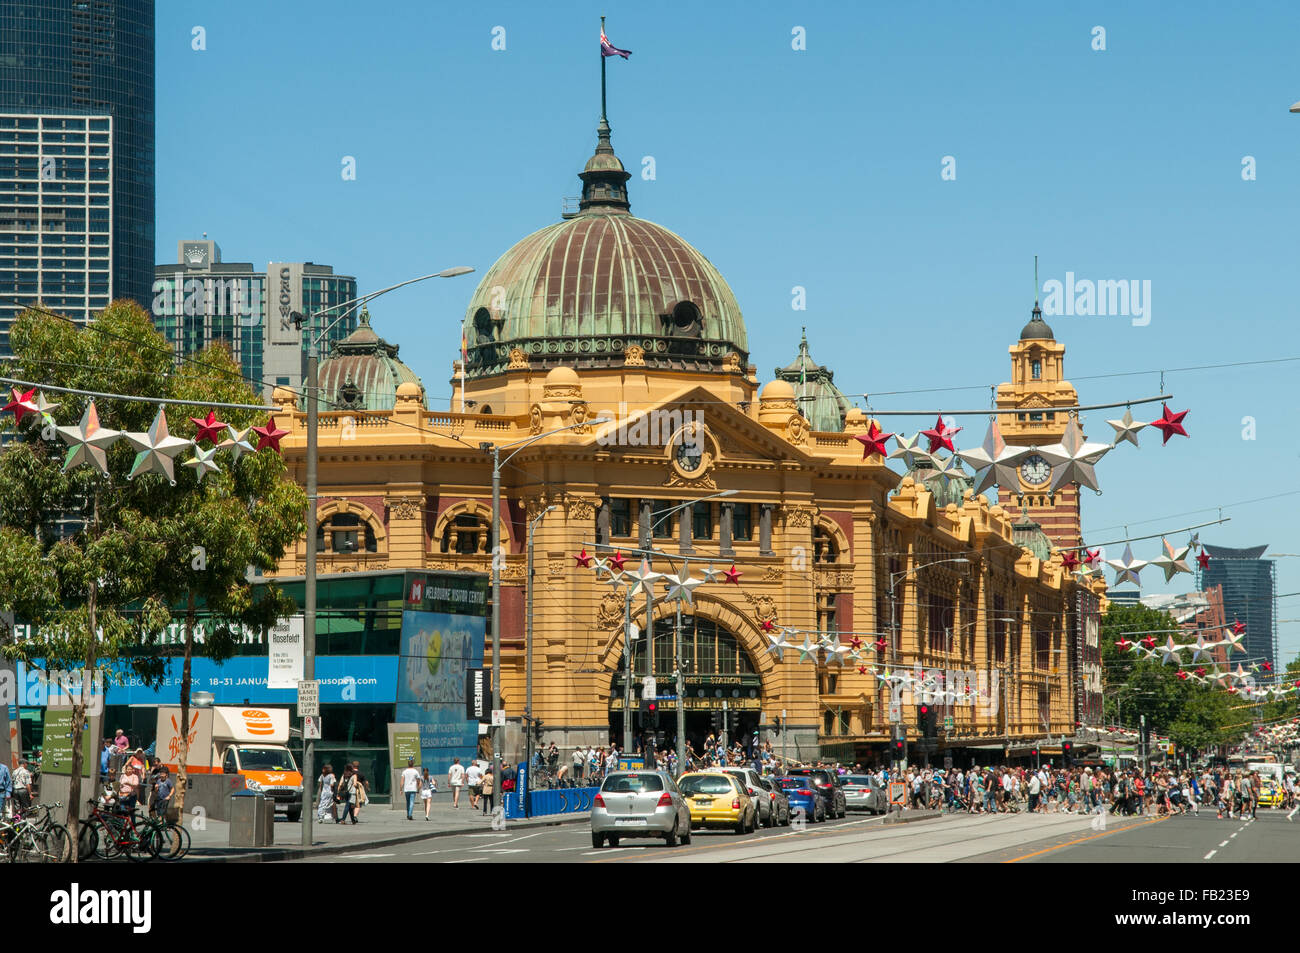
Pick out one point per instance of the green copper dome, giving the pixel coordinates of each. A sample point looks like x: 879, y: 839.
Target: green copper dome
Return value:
x: 584, y: 290
x: 819, y: 400
x: 362, y: 371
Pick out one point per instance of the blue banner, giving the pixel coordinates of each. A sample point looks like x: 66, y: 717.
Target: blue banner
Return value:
x: 437, y: 649
x: 343, y: 679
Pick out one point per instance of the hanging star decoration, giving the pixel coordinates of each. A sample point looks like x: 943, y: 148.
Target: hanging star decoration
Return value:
x: 1073, y: 459
x: 1203, y: 559
x: 1172, y: 561
x: 906, y: 449
x: 948, y: 470
x: 1233, y: 638
x: 1267, y: 666
x: 1195, y: 541
x: 1169, y: 652
x: 873, y: 442
x: 1200, y: 653
x: 994, y: 462
x: 682, y: 588
x: 45, y: 410
x: 208, y: 428
x: 881, y: 645
x: 862, y: 670
x: 733, y: 575
x: 777, y: 643
x: 713, y: 575
x: 1148, y: 643
x: 767, y: 625
x: 1070, y: 560
x: 940, y: 435
x: 156, y: 451
x: 88, y: 441
x: 202, y: 462
x: 269, y: 435
x: 617, y: 560
x: 808, y: 650
x: 644, y: 578
x: 1169, y: 423
x: 22, y: 404
x: 855, y: 644
x: 1092, y: 557
x: 236, y: 442
x: 1183, y: 676
x: 1127, y: 568
x: 583, y: 558
x: 1200, y: 672
x: 1126, y: 428
x: 1124, y: 644
x: 835, y: 651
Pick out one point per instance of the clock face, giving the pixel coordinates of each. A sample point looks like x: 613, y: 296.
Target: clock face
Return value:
x: 1035, y: 470
x: 690, y: 454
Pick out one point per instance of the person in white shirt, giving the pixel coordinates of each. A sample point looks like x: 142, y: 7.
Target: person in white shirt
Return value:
x: 474, y: 779
x: 410, y: 786
x: 456, y: 779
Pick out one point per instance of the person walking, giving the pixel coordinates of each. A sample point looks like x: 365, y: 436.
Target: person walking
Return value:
x: 474, y: 781
x: 162, y: 793
x: 325, y: 783
x: 22, y: 786
x: 427, y: 786
x: 343, y: 795
x: 410, y: 786
x: 456, y: 781
x: 579, y: 762
x: 360, y: 791
x: 489, y: 789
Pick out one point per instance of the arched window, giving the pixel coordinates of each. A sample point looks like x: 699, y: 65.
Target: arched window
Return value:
x: 467, y: 534
x: 482, y: 326
x: 707, y: 649
x: 685, y: 321
x: 825, y: 547
x: 345, y: 533
x: 1036, y: 369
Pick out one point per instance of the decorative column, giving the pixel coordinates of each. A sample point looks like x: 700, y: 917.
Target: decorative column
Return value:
x: 726, y: 512
x: 644, y: 537
x: 684, y: 530
x: 765, y: 529
x: 602, y: 523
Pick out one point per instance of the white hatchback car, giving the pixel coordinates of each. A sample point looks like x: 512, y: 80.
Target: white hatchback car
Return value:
x: 639, y: 804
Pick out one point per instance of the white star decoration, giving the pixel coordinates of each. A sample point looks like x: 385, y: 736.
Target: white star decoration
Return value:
x: 948, y: 470
x: 994, y: 462
x: 1127, y: 569
x: 779, y: 643
x: 835, y: 651
x: 1169, y: 652
x: 236, y: 442
x: 1073, y: 458
x: 910, y: 453
x: 202, y: 462
x: 682, y: 589
x: 88, y: 441
x: 1172, y: 561
x: 807, y: 650
x: 1126, y: 428
x: 156, y: 451
x: 644, y: 578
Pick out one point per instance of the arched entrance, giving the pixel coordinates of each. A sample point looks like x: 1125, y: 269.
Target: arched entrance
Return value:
x: 723, y: 684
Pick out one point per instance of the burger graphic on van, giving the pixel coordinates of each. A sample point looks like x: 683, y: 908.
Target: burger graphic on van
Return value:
x: 257, y: 722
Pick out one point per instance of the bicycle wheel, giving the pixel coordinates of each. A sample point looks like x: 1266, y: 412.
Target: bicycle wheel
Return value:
x: 107, y: 845
x: 169, y: 841
x: 60, y: 843
x: 143, y: 846
x: 87, y: 840
x: 32, y: 847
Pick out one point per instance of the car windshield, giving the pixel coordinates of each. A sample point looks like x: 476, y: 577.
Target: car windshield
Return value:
x: 705, y: 784
x: 266, y: 759
x: 633, y: 783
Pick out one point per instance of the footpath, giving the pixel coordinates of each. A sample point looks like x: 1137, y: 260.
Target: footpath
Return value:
x: 378, y: 825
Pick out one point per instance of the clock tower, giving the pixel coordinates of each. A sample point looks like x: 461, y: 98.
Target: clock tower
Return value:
x: 1037, y: 392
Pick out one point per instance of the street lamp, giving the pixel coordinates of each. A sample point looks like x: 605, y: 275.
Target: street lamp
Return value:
x: 528, y: 645
x: 309, y: 578
x: 497, y: 556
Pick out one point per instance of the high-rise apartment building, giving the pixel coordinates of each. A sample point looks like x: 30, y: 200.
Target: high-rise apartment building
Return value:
x: 1249, y: 584
x: 76, y: 155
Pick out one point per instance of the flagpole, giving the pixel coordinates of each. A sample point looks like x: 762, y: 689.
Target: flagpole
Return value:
x: 602, y: 72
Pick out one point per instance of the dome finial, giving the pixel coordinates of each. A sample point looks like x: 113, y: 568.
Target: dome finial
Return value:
x: 604, y: 180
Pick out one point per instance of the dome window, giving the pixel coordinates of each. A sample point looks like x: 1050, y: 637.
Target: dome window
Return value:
x: 686, y: 321
x: 482, y: 326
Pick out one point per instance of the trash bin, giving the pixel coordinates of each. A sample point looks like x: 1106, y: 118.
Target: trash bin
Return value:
x: 248, y: 819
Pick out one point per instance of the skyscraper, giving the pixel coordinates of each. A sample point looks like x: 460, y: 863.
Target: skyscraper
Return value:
x: 1249, y: 588
x: 76, y: 155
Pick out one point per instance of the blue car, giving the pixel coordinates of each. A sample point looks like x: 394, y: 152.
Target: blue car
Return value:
x: 803, y: 795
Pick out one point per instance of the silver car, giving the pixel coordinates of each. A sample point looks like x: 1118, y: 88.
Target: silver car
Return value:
x: 864, y: 793
x: 639, y: 804
x: 759, y: 792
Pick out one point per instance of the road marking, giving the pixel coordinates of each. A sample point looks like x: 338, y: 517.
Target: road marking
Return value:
x: 560, y: 849
x: 500, y: 850
x: 493, y: 834
x: 363, y: 856
x: 1224, y: 844
x: 1230, y: 836
x: 1080, y: 840
x: 466, y: 860
x: 1210, y: 854
x: 421, y: 853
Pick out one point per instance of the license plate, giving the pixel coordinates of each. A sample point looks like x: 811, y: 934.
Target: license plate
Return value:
x: 630, y: 822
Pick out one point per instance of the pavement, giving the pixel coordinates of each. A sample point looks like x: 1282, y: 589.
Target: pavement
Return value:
x: 378, y: 826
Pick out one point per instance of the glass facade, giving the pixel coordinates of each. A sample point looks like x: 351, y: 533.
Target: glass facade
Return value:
x: 1249, y: 595
x: 77, y: 91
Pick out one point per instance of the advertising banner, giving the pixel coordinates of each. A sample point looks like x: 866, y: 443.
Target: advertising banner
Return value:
x: 478, y: 695
x: 1090, y: 691
x: 437, y: 650
x: 286, y: 643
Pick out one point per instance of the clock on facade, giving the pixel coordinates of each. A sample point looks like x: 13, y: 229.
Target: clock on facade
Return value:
x: 1035, y: 470
x: 690, y: 454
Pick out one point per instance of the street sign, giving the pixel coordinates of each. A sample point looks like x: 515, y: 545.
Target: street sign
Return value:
x: 649, y: 688
x: 897, y: 794
x: 947, y: 762
x: 311, y: 727
x: 947, y: 723
x: 895, y: 713
x: 309, y: 699
x: 498, y: 717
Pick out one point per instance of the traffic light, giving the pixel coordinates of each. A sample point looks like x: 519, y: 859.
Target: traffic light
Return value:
x: 897, y: 750
x: 1066, y: 749
x: 715, y: 721
x: 649, y: 713
x: 776, y: 724
x: 927, y: 720
x: 537, y: 728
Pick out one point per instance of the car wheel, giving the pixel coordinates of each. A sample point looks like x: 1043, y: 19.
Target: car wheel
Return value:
x: 597, y: 840
x: 686, y: 836
x: 741, y: 827
x: 670, y: 839
x: 613, y: 841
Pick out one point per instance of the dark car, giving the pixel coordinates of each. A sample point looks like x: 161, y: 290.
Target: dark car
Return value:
x: 830, y: 784
x: 803, y: 795
x: 780, y: 803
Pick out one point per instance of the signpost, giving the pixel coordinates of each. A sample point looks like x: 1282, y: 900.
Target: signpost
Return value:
x: 498, y: 717
x: 311, y: 727
x: 309, y: 698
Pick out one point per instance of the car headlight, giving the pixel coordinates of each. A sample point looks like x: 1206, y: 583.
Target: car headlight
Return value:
x: 252, y: 785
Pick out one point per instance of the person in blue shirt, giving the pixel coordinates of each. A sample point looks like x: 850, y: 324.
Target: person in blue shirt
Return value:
x: 103, y: 756
x: 6, y: 789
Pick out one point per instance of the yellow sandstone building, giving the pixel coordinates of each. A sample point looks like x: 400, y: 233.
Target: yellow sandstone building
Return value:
x: 605, y: 315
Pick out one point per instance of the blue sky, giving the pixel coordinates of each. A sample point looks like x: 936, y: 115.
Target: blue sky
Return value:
x: 817, y: 168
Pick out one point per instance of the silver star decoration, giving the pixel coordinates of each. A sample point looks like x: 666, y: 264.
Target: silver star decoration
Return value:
x: 1200, y: 653
x: 1127, y: 569
x: 909, y: 451
x: 1169, y: 652
x: 713, y: 575
x: 948, y: 470
x: 994, y: 462
x: 779, y: 643
x: 835, y: 651
x: 1233, y: 641
x: 1194, y: 542
x: 600, y: 566
x: 644, y: 578
x: 88, y: 441
x: 156, y: 451
x: 1172, y: 561
x: 1126, y: 428
x: 237, y: 442
x: 615, y: 579
x: 1073, y: 458
x: 682, y: 589
x: 202, y: 462
x: 808, y: 650
x: 45, y: 411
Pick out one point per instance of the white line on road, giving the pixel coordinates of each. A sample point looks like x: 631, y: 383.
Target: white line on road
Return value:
x: 363, y: 856
x: 500, y: 850
x: 1231, y: 836
x: 1210, y: 854
x: 1224, y: 844
x: 559, y: 849
x: 421, y: 853
x: 466, y: 860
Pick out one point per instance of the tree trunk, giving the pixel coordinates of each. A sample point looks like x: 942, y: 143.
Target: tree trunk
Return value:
x: 78, y: 719
x: 183, y: 759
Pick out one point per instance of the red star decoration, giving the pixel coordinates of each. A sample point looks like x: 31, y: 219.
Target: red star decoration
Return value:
x: 855, y: 643
x: 269, y: 436
x: 1268, y: 667
x: 1203, y: 560
x: 1237, y: 627
x: 862, y: 670
x: 1148, y: 643
x: 22, y: 404
x: 733, y: 575
x: 1232, y: 691
x: 1069, y: 560
x: 1170, y: 423
x: 881, y: 645
x: 1092, y: 556
x: 767, y: 625
x: 1123, y: 645
x: 617, y: 560
x: 209, y: 428
x: 873, y: 441
x: 1183, y: 676
x: 1201, y: 671
x: 584, y: 558
x: 941, y: 435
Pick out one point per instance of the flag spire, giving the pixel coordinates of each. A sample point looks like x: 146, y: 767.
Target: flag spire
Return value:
x: 603, y: 119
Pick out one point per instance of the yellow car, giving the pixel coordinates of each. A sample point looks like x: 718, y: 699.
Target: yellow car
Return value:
x: 718, y: 800
x: 1271, y: 794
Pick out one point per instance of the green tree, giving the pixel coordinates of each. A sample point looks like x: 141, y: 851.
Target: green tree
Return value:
x: 101, y: 564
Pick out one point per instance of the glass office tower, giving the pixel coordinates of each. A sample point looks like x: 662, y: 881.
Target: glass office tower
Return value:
x: 76, y: 155
x: 1249, y: 596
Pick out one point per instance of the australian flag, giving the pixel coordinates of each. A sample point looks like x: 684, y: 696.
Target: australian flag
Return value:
x: 609, y: 49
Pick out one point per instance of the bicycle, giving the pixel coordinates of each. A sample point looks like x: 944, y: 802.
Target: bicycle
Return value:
x: 110, y: 834
x: 42, y: 819
x: 25, y: 843
x: 171, y: 841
